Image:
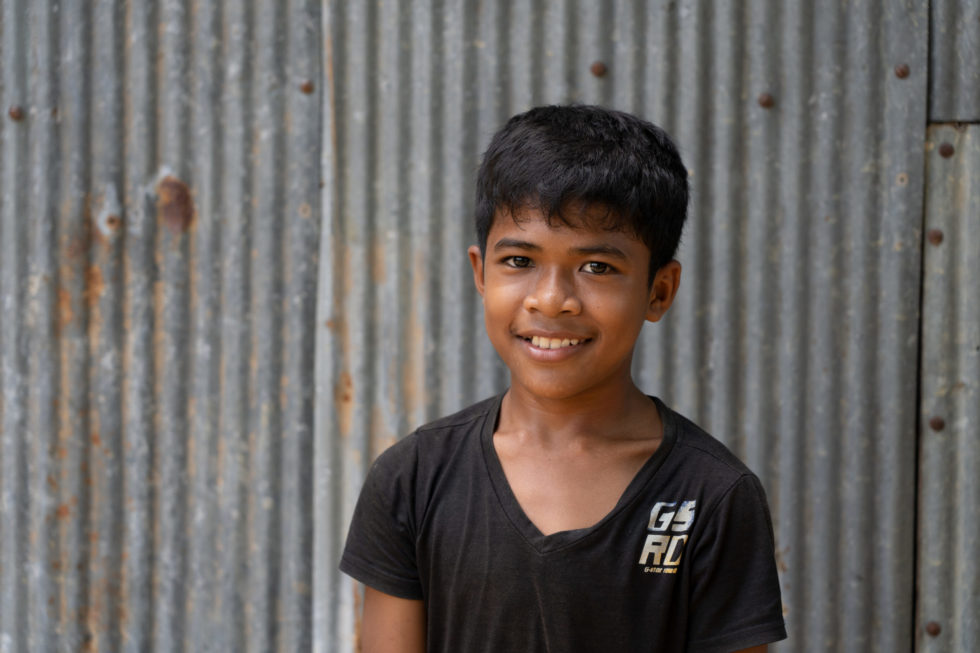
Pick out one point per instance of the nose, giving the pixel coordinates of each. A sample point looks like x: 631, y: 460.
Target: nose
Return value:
x: 553, y: 293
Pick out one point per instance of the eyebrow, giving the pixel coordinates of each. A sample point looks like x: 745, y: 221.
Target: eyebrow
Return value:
x: 513, y: 243
x: 607, y: 250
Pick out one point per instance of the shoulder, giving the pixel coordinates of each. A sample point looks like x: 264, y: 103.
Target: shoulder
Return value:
x: 708, y: 468
x: 436, y: 443
x: 710, y: 454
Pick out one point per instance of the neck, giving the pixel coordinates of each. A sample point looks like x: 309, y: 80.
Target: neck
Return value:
x: 615, y: 412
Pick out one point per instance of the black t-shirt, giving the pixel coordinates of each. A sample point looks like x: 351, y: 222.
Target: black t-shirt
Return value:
x: 684, y: 562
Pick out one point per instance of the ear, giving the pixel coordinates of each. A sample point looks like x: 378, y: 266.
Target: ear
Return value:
x: 663, y: 290
x: 476, y: 261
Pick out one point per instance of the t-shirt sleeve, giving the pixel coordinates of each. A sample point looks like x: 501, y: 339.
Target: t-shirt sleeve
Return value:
x: 380, y: 549
x: 735, y: 597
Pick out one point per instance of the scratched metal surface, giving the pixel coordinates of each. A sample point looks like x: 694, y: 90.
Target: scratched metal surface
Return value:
x: 954, y: 61
x: 948, y: 575
x: 158, y: 236
x: 796, y: 332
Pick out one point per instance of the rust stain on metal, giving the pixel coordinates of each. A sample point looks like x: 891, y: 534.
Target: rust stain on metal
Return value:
x: 358, y: 616
x: 63, y: 511
x: 933, y: 629
x: 307, y: 86
x: 766, y: 100
x: 378, y: 263
x: 175, y: 205
x: 902, y: 70
x: 16, y: 113
x: 598, y: 69
x: 937, y: 423
x: 80, y: 243
x: 94, y: 285
x: 65, y: 312
x: 935, y: 236
x: 946, y: 150
x: 344, y: 396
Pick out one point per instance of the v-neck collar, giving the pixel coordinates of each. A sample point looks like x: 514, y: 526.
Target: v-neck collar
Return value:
x: 545, y: 544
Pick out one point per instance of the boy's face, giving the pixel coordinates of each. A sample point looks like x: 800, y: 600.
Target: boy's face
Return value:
x: 564, y: 306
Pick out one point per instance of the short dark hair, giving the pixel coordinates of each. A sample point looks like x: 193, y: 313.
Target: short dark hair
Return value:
x: 555, y: 157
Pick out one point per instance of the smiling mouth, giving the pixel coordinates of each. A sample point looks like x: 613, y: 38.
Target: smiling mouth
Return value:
x: 554, y: 343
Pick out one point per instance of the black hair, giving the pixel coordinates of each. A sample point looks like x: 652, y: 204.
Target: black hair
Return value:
x: 555, y: 158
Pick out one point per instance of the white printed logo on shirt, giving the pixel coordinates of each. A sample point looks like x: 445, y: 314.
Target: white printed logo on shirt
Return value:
x: 668, y: 528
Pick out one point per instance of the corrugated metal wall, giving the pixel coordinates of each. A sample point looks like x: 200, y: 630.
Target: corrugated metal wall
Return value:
x: 160, y: 221
x: 182, y: 180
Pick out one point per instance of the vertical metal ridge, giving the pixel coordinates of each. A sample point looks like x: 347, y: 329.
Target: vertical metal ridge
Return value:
x: 14, y: 541
x: 203, y: 404
x: 954, y: 80
x: 791, y: 524
x: 301, y: 184
x: 947, y: 571
x: 173, y: 221
x: 103, y: 289
x: 138, y: 371
x: 40, y: 318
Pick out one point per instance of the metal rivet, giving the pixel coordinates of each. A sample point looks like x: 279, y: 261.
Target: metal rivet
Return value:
x: 307, y: 86
x: 902, y: 179
x: 933, y: 629
x: 15, y: 112
x: 935, y: 236
x: 937, y: 423
x: 902, y: 71
x: 946, y: 150
x: 598, y: 68
x: 766, y: 101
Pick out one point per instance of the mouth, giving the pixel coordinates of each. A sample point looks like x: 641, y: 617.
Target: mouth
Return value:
x: 543, y: 342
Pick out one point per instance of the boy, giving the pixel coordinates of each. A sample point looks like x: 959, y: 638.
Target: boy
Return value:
x: 573, y: 512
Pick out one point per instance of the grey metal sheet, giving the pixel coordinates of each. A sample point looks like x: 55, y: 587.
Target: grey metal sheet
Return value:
x: 159, y: 229
x: 954, y: 61
x: 795, y: 335
x: 948, y: 574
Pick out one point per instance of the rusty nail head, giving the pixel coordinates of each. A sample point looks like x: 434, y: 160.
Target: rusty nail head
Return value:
x: 766, y: 101
x: 935, y: 236
x: 933, y: 629
x: 937, y: 423
x: 598, y: 68
x: 902, y: 70
x: 946, y: 150
x: 306, y: 86
x: 15, y: 112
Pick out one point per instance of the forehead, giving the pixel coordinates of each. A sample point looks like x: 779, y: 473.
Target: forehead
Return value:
x: 575, y: 233
x: 590, y: 221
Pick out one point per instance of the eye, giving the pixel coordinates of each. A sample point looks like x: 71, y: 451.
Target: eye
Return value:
x: 598, y: 267
x: 518, y: 261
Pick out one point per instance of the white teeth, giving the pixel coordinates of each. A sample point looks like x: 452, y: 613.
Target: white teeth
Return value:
x: 553, y: 343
